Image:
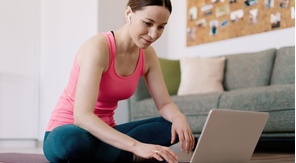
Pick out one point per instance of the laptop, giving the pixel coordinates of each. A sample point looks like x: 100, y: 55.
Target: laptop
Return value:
x: 229, y: 136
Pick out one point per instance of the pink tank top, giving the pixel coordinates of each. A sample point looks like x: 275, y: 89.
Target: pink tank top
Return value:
x: 113, y: 88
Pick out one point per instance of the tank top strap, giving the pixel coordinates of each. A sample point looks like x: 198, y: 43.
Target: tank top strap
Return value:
x: 112, y: 46
x: 141, y: 61
x: 112, y: 50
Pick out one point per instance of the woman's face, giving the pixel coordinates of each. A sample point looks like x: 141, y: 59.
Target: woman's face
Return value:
x: 147, y: 25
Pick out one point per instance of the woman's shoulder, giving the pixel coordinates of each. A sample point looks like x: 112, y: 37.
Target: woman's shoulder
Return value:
x: 150, y: 58
x: 95, y: 48
x: 97, y: 43
x: 97, y: 40
x: 150, y: 54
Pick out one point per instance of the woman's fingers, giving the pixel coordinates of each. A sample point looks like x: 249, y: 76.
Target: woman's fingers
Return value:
x: 186, y: 138
x: 186, y: 141
x: 189, y: 139
x: 193, y: 141
x: 173, y: 132
x: 167, y: 154
x: 181, y: 141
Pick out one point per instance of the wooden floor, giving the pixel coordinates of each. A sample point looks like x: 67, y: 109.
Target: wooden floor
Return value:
x: 273, y: 157
x: 256, y: 158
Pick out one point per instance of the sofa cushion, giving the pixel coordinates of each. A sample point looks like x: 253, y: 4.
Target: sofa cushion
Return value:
x: 194, y: 107
x: 284, y: 66
x: 143, y: 109
x: 248, y: 69
x: 201, y: 75
x: 142, y: 91
x: 277, y: 100
x: 171, y: 73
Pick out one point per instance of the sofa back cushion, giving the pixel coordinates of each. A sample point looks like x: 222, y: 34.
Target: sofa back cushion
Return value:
x: 172, y: 76
x: 248, y: 69
x: 201, y: 75
x: 171, y: 73
x: 284, y: 66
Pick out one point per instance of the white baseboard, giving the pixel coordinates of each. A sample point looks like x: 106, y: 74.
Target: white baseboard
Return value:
x: 11, y: 143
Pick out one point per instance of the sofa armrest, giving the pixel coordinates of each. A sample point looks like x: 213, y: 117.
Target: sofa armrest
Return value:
x: 141, y: 92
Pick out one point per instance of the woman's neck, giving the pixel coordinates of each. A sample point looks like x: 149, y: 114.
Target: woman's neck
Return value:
x: 124, y: 42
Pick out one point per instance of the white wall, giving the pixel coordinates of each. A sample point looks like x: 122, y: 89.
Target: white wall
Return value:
x: 19, y: 63
x: 111, y: 14
x: 65, y: 25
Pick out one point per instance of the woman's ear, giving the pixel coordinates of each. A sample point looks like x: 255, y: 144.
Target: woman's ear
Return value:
x: 128, y: 12
x: 129, y: 18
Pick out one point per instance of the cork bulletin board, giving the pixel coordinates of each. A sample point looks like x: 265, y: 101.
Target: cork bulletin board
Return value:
x: 214, y: 20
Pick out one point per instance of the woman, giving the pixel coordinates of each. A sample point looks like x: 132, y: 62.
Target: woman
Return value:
x: 106, y: 69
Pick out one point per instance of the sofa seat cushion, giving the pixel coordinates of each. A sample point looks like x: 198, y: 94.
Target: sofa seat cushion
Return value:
x: 284, y: 66
x: 277, y: 100
x: 194, y: 107
x: 143, y: 109
x: 248, y: 69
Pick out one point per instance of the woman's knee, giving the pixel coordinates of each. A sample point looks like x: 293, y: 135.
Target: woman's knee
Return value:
x: 154, y: 131
x: 66, y: 142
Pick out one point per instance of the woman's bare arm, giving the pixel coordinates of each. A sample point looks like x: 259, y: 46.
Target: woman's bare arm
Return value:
x: 93, y: 59
x: 164, y: 104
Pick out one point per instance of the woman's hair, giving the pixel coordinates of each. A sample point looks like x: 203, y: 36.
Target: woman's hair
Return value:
x: 136, y: 5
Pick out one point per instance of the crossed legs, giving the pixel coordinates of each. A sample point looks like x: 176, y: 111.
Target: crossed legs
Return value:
x: 70, y: 143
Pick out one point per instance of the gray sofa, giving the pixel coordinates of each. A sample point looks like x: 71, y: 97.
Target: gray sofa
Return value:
x: 261, y: 81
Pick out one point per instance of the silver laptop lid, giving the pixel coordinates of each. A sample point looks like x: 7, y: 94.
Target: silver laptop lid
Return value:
x: 229, y: 136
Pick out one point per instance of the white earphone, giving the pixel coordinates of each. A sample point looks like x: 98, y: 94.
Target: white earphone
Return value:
x: 129, y: 18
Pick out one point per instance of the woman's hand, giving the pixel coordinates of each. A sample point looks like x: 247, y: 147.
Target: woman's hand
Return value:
x: 186, y: 138
x: 160, y: 153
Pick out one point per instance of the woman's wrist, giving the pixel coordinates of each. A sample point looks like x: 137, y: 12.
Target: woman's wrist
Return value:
x: 132, y: 146
x: 178, y: 116
x: 171, y: 112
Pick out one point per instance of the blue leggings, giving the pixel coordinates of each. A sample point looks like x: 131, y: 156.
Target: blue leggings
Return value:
x: 70, y: 143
